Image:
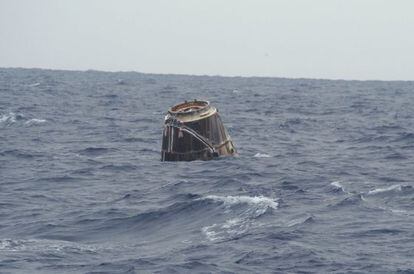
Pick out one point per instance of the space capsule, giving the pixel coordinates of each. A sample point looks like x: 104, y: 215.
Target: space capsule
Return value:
x: 193, y: 130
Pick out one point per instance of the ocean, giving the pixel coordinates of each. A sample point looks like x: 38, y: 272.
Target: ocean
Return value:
x: 323, y: 183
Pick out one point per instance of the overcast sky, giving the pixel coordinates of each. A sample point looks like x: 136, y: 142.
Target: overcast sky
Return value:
x: 335, y: 39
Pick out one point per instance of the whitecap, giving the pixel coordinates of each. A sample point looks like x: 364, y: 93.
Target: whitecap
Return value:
x: 229, y: 229
x: 256, y: 200
x: 35, y: 122
x: 262, y: 155
x: 8, y: 118
x: 242, y: 211
x: 387, y: 189
x: 210, y: 234
x: 338, y: 186
x: 232, y: 222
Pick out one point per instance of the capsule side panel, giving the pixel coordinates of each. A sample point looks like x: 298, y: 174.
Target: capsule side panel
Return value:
x: 179, y: 145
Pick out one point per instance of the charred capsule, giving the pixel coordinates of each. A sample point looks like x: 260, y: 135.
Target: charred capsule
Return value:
x: 194, y: 131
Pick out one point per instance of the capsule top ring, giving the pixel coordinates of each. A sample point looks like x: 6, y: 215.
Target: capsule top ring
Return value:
x: 192, y: 110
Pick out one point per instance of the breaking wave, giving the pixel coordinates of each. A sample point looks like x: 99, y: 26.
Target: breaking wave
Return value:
x: 258, y: 202
x: 246, y: 208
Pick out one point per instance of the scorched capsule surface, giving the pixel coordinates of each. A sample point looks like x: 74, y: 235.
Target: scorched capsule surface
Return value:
x: 194, y: 131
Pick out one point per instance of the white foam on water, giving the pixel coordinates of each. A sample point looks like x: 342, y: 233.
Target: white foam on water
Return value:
x: 256, y: 201
x: 35, y: 122
x: 387, y: 189
x: 338, y: 185
x: 8, y: 118
x: 240, y: 218
x: 262, y: 155
x: 230, y: 228
x: 232, y: 222
x: 12, y: 118
x: 210, y: 234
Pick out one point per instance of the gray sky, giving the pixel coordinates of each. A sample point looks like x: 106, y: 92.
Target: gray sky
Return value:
x: 336, y: 39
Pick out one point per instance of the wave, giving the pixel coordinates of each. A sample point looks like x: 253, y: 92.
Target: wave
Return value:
x: 256, y: 201
x: 231, y: 228
x: 395, y: 156
x: 7, y: 118
x: 56, y: 179
x: 387, y: 128
x: 262, y: 155
x: 242, y: 206
x: 156, y: 217
x: 216, y: 217
x: 349, y: 201
x: 110, y: 96
x: 94, y: 151
x: 35, y: 122
x: 376, y: 232
x: 135, y: 139
x: 12, y: 118
x: 20, y: 153
x: 241, y: 219
x: 44, y: 245
x: 386, y: 189
x: 120, y: 167
x: 395, y: 198
x: 337, y: 186
x: 405, y: 136
x: 300, y: 221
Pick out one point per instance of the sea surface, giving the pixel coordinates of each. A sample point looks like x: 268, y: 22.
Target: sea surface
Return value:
x: 324, y: 180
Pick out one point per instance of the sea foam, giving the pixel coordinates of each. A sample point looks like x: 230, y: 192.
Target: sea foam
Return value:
x: 260, y: 201
x: 35, y: 122
x: 9, y: 118
x: 262, y: 155
x: 246, y: 209
x: 338, y: 186
x: 387, y: 189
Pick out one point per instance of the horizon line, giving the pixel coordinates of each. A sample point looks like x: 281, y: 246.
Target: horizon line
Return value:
x: 204, y: 75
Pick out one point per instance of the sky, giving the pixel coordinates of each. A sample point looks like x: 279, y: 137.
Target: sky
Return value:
x: 331, y: 39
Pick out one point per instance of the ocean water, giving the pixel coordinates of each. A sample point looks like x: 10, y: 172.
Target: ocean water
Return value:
x: 324, y: 182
